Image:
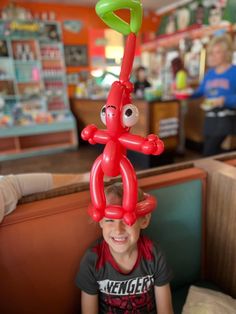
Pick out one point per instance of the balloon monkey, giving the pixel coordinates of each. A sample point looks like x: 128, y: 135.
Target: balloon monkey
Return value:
x: 119, y: 115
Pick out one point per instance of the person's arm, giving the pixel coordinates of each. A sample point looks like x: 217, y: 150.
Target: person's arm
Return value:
x: 163, y: 299
x: 229, y: 101
x: 89, y: 303
x: 30, y: 183
x: 162, y: 277
x: 87, y: 282
x: 13, y: 187
x: 199, y: 92
x: 60, y: 180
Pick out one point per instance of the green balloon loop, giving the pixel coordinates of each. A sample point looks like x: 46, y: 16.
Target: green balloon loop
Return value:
x: 105, y: 10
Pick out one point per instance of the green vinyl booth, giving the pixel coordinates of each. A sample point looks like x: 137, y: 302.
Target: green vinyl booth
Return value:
x: 178, y: 224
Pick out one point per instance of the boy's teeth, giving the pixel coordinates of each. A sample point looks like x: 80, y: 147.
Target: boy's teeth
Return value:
x: 119, y: 239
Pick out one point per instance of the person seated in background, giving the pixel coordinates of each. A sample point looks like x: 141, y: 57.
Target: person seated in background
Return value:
x: 125, y: 272
x: 14, y: 187
x: 141, y: 81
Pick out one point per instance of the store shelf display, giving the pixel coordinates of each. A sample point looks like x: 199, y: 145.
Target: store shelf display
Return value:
x: 53, y: 69
x: 33, y: 87
x: 6, y: 71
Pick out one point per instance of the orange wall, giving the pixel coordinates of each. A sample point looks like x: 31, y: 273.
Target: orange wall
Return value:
x: 88, y: 18
x: 85, y: 14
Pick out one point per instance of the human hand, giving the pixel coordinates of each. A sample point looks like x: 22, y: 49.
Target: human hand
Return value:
x: 216, y: 102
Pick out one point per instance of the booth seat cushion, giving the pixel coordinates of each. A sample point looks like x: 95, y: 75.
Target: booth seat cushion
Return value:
x: 179, y: 295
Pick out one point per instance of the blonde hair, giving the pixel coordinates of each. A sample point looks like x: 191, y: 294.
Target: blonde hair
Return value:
x: 117, y: 190
x: 226, y: 42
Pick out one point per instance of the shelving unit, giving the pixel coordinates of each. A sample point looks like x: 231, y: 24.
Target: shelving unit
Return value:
x: 25, y: 141
x: 53, y: 69
x: 7, y: 84
x: 34, y: 109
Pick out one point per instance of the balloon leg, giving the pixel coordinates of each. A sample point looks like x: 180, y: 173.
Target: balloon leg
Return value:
x: 130, y: 187
x: 97, y: 190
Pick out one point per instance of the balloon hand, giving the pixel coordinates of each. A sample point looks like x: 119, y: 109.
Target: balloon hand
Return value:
x: 88, y: 133
x: 152, y: 145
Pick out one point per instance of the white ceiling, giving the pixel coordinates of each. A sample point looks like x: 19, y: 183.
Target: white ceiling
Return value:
x: 148, y: 4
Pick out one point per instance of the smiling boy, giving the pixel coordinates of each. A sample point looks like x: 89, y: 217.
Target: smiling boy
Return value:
x: 124, y: 272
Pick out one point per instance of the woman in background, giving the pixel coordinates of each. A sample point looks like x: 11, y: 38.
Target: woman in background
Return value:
x: 219, y: 90
x: 179, y: 74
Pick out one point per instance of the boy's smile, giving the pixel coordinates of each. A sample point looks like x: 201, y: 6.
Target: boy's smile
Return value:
x: 121, y: 238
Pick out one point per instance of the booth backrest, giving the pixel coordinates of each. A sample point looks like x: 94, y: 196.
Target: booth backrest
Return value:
x: 177, y: 225
x: 42, y: 242
x: 221, y: 222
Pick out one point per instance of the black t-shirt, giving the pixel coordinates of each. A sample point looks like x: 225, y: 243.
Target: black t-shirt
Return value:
x: 141, y: 85
x: 119, y: 292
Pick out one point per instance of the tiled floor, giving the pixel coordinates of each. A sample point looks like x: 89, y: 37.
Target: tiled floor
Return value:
x: 67, y: 162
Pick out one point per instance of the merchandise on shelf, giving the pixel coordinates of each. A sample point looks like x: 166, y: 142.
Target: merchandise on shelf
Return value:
x: 53, y: 70
x: 32, y: 68
x: 34, y: 107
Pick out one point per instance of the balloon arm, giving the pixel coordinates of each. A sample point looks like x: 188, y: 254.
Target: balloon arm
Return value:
x: 151, y: 145
x: 91, y: 134
x: 131, y: 141
x: 101, y: 137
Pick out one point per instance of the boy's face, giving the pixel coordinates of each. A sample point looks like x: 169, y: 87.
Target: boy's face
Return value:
x: 120, y: 237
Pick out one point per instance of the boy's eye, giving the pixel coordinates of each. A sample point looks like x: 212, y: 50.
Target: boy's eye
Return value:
x: 109, y: 220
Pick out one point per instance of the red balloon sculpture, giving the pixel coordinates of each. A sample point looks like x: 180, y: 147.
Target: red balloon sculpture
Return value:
x: 119, y: 115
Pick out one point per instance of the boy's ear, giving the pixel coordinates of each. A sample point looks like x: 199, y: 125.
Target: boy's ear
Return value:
x: 144, y: 221
x: 101, y: 223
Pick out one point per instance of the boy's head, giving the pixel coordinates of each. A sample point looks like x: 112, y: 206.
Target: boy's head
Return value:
x: 114, y: 194
x: 119, y: 236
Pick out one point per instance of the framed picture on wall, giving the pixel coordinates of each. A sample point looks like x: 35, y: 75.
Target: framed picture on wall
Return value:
x: 76, y: 55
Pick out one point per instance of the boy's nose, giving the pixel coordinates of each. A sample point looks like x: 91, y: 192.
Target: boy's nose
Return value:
x: 119, y: 226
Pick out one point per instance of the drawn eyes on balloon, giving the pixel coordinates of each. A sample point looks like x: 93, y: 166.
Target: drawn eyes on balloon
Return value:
x: 130, y: 115
x: 103, y: 114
